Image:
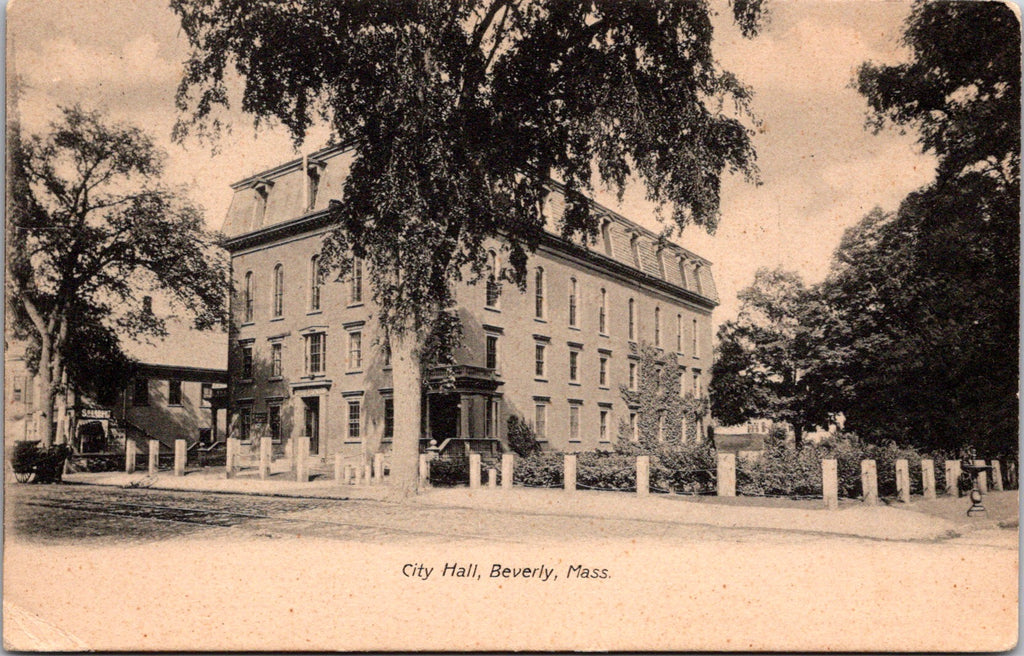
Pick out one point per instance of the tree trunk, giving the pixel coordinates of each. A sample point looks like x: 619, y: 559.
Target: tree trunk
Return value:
x: 406, y: 374
x: 798, y: 436
x: 44, y: 377
x: 62, y: 409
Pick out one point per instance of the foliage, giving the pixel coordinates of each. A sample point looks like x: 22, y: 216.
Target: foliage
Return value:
x: 605, y: 471
x: 92, y: 231
x: 662, y: 411
x: 521, y: 437
x: 687, y: 467
x: 540, y: 469
x: 42, y: 464
x: 449, y: 471
x: 766, y: 360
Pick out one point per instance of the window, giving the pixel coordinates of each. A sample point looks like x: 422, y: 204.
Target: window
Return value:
x: 540, y: 420
x: 259, y: 208
x: 174, y: 392
x: 606, y: 237
x: 275, y: 360
x: 661, y: 263
x: 274, y: 422
x: 697, y: 286
x: 491, y: 418
x: 140, y: 392
x: 244, y: 423
x: 493, y: 288
x: 538, y: 281
x: 698, y: 391
x: 278, y: 290
x: 661, y: 425
x: 602, y: 372
x: 632, y: 320
x: 634, y: 248
x: 634, y: 430
x: 657, y: 326
x: 492, y: 352
x: 315, y: 280
x: 657, y: 379
x: 355, y: 351
x: 603, y: 426
x: 632, y: 376
x: 574, y: 366
x: 693, y: 346
x: 573, y: 291
x: 17, y: 389
x: 602, y: 313
x: 353, y: 420
x: 247, y: 299
x: 679, y: 333
x: 574, y: 422
x: 312, y: 186
x: 389, y: 418
x: 541, y: 368
x: 356, y: 292
x: 205, y: 394
x: 682, y: 272
x: 247, y: 362
x: 316, y: 353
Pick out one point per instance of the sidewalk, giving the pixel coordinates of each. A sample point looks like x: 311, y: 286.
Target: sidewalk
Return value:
x: 920, y: 520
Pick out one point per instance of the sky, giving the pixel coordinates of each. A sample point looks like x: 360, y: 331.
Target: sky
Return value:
x: 821, y: 169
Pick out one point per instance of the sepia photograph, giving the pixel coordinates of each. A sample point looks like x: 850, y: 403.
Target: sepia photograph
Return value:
x: 503, y: 325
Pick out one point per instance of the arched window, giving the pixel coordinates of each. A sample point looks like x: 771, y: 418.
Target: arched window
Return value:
x: 632, y: 320
x: 314, y: 283
x: 573, y: 293
x: 606, y: 236
x: 539, y: 293
x: 602, y: 316
x: 356, y: 295
x: 679, y: 333
x: 697, y: 286
x: 634, y: 248
x: 247, y: 299
x: 661, y: 263
x: 657, y: 326
x: 493, y: 288
x: 682, y: 273
x: 278, y: 290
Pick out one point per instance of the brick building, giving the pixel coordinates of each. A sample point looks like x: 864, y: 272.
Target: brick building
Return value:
x: 305, y: 358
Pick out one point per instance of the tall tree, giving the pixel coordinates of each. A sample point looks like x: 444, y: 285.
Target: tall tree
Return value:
x: 931, y: 293
x: 766, y: 360
x: 458, y: 113
x: 92, y: 229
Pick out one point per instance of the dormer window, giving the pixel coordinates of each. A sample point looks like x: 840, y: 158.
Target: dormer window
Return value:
x: 661, y: 263
x: 606, y: 236
x: 261, y: 189
x: 697, y: 287
x: 312, y: 185
x: 634, y: 248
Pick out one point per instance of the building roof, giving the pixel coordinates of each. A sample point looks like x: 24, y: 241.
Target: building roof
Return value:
x: 283, y: 190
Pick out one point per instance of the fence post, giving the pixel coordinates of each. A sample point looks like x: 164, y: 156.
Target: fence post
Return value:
x: 231, y: 457
x: 830, y: 483
x: 378, y: 468
x: 569, y: 473
x: 154, y: 457
x: 953, y: 478
x: 997, y: 476
x: 903, y: 480
x: 726, y: 475
x: 339, y: 468
x: 129, y: 455
x: 869, y: 481
x: 424, y: 470
x: 367, y: 474
x: 643, y: 475
x: 301, y: 466
x: 928, y: 478
x: 982, y: 477
x: 266, y: 447
x: 507, y: 470
x: 492, y: 478
x: 180, y: 456
x: 474, y: 470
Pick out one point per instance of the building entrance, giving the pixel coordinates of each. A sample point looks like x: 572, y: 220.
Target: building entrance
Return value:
x: 444, y: 416
x: 312, y: 416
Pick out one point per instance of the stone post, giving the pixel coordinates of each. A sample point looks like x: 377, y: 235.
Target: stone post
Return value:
x: 928, y: 478
x: 953, y: 478
x: 266, y: 448
x: 643, y: 475
x: 301, y: 463
x: 367, y: 474
x: 154, y: 457
x: 869, y: 481
x: 830, y: 483
x: 508, y: 467
x: 180, y: 456
x: 378, y: 468
x: 339, y: 469
x: 492, y: 478
x: 569, y: 473
x: 726, y: 477
x: 129, y: 455
x: 231, y: 457
x: 474, y: 470
x: 424, y: 469
x: 982, y: 477
x: 903, y: 480
x: 997, y: 476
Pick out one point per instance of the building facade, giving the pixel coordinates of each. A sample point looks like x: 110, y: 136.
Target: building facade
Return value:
x: 306, y: 357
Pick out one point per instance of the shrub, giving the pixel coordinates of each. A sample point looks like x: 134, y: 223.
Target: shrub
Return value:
x: 521, y: 437
x: 684, y: 467
x: 449, y: 471
x: 604, y: 471
x: 540, y: 469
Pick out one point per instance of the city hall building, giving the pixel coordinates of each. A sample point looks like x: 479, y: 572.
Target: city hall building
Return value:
x: 306, y: 358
